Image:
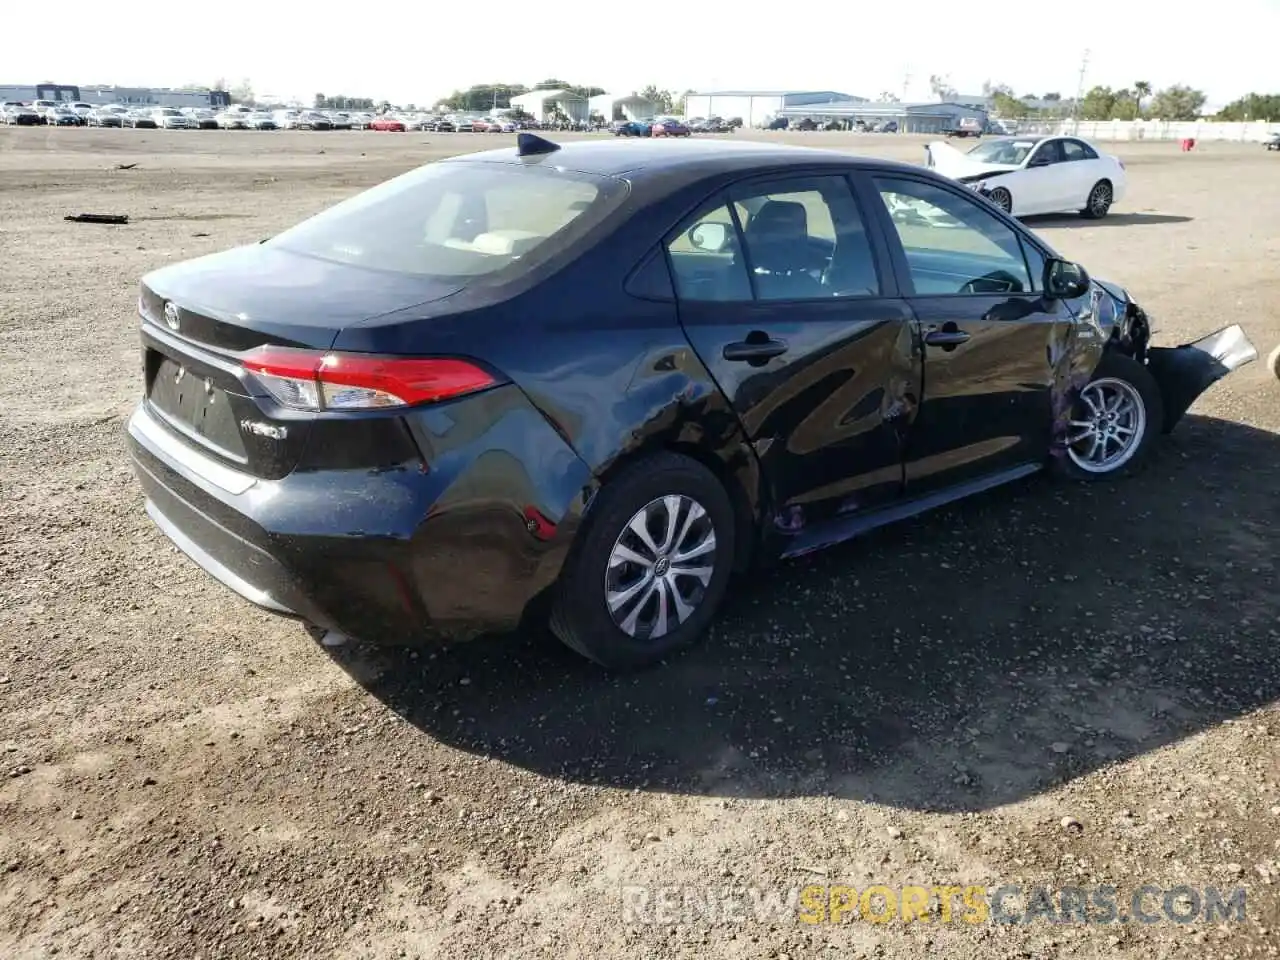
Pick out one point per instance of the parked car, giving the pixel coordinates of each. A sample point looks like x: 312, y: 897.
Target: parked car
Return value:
x: 372, y: 447
x: 966, y: 127
x: 140, y: 119
x: 669, y: 127
x: 1273, y: 143
x: 633, y: 128
x: 170, y: 118
x: 340, y: 120
x: 19, y: 114
x: 103, y: 117
x: 1036, y: 175
x: 261, y: 120
x: 312, y: 120
x: 62, y: 117
x: 80, y: 109
x: 388, y: 123
x: 233, y: 120
x: 202, y: 119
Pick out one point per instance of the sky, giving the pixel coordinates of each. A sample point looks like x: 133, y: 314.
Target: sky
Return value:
x: 395, y: 52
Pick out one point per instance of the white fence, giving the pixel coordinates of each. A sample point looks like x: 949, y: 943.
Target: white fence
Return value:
x: 1155, y: 130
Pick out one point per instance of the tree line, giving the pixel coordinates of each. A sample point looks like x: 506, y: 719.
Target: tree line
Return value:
x: 1136, y: 102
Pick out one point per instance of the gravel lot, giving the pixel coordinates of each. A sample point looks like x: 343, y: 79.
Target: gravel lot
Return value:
x: 1051, y: 685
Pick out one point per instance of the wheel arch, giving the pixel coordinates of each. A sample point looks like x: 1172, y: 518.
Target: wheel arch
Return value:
x: 737, y: 471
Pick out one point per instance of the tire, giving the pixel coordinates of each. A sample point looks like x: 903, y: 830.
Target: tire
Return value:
x: 1273, y: 363
x: 1099, y: 201
x: 1141, y: 409
x: 580, y: 613
x: 1002, y: 198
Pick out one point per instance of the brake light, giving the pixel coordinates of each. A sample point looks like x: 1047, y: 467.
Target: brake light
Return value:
x: 319, y: 380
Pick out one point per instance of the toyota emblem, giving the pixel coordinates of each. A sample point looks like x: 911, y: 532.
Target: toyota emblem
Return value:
x: 171, y: 316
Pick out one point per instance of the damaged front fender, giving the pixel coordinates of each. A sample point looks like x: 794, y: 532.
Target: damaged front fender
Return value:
x: 1183, y: 373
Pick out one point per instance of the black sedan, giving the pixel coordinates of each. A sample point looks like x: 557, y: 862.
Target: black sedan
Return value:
x: 589, y: 382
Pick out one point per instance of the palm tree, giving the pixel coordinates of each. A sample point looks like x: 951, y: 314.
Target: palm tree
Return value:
x: 1141, y: 90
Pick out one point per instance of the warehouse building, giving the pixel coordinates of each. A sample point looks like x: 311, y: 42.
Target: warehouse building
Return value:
x: 758, y: 107
x: 544, y: 105
x: 614, y: 107
x: 910, y: 117
x: 102, y: 94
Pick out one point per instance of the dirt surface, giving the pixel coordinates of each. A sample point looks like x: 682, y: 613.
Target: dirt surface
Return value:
x: 1051, y: 685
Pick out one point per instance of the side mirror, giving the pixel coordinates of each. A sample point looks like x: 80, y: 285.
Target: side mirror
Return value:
x: 1064, y: 280
x: 709, y: 237
x: 1039, y: 160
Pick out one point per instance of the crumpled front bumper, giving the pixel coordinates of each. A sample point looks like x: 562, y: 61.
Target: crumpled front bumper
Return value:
x: 1183, y: 373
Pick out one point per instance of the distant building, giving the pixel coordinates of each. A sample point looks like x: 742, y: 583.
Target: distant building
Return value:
x: 614, y: 107
x: 129, y: 96
x: 543, y: 105
x: 757, y: 107
x: 910, y: 117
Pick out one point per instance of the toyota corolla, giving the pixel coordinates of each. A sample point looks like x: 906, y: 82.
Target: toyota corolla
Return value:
x: 587, y: 383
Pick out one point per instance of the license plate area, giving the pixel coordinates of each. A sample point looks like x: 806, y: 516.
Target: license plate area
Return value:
x: 194, y: 405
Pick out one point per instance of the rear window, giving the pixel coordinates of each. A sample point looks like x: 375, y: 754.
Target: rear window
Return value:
x: 459, y: 220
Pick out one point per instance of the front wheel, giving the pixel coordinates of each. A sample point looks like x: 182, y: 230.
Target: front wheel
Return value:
x: 1099, y: 202
x: 1114, y: 421
x: 651, y: 566
x: 1002, y: 199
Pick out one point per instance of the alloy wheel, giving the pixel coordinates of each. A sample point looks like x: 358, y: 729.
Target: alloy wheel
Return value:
x: 660, y: 566
x: 1100, y: 200
x: 1002, y: 199
x: 1109, y: 429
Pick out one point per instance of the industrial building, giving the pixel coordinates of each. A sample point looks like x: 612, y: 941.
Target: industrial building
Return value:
x: 757, y: 107
x: 910, y: 117
x: 129, y: 96
x: 614, y: 107
x: 544, y: 105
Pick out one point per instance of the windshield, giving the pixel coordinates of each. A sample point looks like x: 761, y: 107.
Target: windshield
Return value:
x: 459, y: 220
x: 1003, y: 151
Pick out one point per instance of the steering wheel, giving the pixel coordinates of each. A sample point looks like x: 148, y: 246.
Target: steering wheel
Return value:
x: 997, y: 281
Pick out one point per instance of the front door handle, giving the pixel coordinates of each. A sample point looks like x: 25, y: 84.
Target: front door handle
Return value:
x: 754, y: 351
x: 945, y: 338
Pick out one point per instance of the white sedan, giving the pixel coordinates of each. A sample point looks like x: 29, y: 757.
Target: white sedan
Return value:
x: 1031, y: 175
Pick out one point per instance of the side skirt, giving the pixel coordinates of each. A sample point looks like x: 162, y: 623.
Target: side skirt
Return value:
x: 845, y: 528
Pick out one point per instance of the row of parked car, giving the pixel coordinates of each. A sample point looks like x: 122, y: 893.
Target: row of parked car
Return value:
x: 53, y: 113
x: 674, y: 127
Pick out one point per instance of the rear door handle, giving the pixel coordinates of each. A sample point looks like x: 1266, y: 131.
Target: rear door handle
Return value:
x: 946, y: 338
x: 754, y: 351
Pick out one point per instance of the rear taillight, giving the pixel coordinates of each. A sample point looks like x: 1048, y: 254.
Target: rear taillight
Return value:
x: 319, y: 380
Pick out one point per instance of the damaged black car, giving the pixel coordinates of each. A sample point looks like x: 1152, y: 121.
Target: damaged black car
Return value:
x: 584, y: 384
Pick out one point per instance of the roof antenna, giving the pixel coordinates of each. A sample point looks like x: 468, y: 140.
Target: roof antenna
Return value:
x: 531, y: 145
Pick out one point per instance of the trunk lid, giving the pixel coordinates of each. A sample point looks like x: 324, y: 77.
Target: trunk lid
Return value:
x: 202, y: 317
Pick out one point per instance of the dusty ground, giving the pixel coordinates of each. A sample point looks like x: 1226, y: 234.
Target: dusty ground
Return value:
x: 189, y: 777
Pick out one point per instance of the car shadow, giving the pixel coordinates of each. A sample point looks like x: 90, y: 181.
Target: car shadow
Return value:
x: 1110, y: 220
x: 965, y: 659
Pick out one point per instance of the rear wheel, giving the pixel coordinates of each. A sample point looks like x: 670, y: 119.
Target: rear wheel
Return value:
x: 1099, y: 202
x: 1114, y: 421
x: 652, y: 564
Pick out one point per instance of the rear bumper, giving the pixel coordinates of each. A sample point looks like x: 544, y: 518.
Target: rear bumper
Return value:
x: 431, y: 554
